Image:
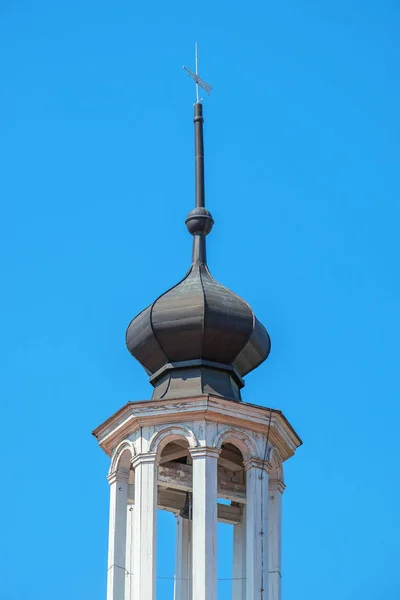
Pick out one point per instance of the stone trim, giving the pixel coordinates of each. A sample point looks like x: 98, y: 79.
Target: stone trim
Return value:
x: 276, y: 485
x: 118, y: 477
x: 148, y: 457
x: 204, y: 451
x: 257, y: 463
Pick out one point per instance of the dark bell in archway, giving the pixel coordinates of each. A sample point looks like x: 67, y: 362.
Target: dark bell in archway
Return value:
x: 186, y: 512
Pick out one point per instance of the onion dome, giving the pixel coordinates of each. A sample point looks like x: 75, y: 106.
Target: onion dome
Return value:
x: 198, y: 337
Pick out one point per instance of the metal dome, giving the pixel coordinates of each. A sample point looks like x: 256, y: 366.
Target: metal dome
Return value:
x: 198, y: 337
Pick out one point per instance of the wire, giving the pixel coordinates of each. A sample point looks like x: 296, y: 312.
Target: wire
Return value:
x: 262, y: 590
x: 185, y: 578
x: 266, y: 442
x: 190, y: 579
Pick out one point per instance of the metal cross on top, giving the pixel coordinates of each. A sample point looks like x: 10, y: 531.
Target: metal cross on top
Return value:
x: 197, y: 79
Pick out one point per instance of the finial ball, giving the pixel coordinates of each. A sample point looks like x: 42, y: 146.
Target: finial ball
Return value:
x: 199, y: 221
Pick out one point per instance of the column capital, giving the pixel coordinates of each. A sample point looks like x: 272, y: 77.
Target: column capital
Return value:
x: 257, y: 463
x: 118, y: 477
x: 204, y: 451
x: 145, y: 458
x: 276, y: 485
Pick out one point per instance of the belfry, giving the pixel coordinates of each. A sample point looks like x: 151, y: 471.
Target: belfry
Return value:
x: 196, y: 442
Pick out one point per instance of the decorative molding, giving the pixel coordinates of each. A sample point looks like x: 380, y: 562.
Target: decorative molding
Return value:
x: 277, y: 466
x: 275, y: 485
x: 204, y: 451
x: 145, y: 458
x: 238, y: 438
x: 255, y: 419
x: 257, y: 463
x: 118, y: 477
x: 124, y: 446
x: 168, y: 434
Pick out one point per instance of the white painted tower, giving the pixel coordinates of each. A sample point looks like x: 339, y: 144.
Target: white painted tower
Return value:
x: 195, y: 441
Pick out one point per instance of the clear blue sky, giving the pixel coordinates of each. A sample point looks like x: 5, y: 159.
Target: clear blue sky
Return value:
x: 302, y: 168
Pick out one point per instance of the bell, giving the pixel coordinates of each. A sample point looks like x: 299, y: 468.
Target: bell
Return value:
x: 186, y: 511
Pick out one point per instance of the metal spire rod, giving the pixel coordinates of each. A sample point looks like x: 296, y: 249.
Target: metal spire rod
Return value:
x: 198, y: 131
x: 196, y: 56
x: 199, y: 154
x: 199, y: 221
x: 207, y: 87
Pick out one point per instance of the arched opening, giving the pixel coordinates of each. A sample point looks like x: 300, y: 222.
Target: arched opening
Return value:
x: 162, y: 485
x: 231, y: 503
x: 173, y: 532
x: 174, y: 458
x: 122, y: 456
x: 120, y: 525
x: 174, y: 518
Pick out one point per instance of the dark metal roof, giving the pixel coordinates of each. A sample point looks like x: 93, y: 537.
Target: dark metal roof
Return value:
x: 198, y: 336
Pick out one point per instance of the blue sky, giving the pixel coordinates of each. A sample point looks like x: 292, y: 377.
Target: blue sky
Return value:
x: 302, y: 176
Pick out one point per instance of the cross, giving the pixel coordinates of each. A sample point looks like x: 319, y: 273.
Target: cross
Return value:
x: 198, y: 80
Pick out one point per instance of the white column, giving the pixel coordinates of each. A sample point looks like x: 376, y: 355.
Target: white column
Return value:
x: 116, y: 575
x: 204, y: 523
x: 275, y: 491
x: 145, y: 522
x: 183, y: 560
x: 239, y: 560
x: 130, y: 544
x: 256, y: 530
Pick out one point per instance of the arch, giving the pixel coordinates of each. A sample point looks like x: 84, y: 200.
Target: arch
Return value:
x: 238, y: 438
x: 169, y: 434
x: 121, y: 458
x: 276, y: 462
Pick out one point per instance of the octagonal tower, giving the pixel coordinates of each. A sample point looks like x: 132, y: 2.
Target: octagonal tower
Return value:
x: 195, y: 442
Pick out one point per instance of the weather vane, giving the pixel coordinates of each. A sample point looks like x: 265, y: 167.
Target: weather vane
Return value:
x: 197, y: 79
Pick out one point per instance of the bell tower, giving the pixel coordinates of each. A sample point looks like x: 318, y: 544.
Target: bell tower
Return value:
x: 195, y: 442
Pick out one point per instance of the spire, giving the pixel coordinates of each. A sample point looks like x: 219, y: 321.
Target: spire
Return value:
x: 199, y: 221
x: 198, y: 337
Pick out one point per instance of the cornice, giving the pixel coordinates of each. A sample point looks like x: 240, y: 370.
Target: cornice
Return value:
x: 257, y: 419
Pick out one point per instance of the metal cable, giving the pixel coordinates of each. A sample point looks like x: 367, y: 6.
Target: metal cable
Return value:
x: 262, y: 590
